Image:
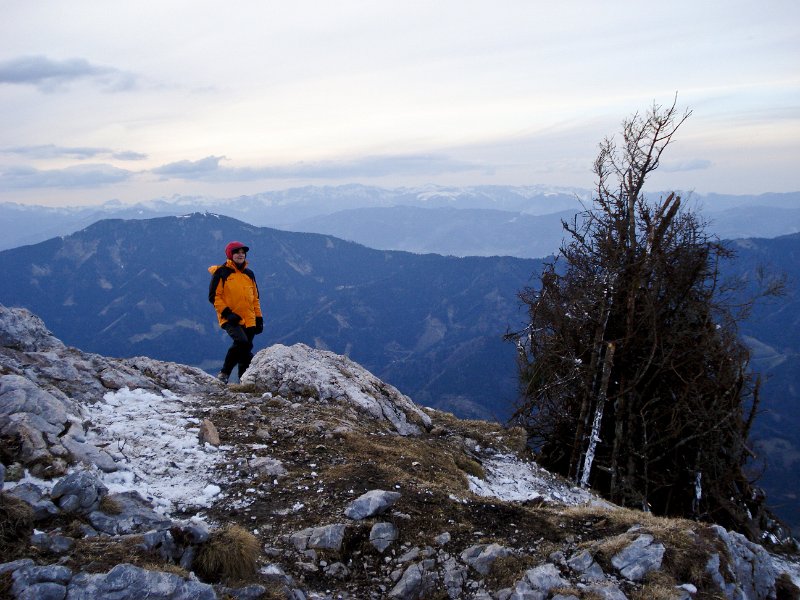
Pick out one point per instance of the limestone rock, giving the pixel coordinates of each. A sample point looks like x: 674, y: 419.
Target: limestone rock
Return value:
x: 79, y: 492
x: 382, y: 535
x: 639, y: 558
x: 21, y: 330
x: 208, y: 433
x: 299, y: 370
x: 481, y: 557
x: 374, y: 502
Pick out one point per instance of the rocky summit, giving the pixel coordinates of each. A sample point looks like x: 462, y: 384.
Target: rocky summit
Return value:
x: 309, y: 479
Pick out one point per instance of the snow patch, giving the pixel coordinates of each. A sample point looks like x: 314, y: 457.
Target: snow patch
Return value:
x: 155, y: 440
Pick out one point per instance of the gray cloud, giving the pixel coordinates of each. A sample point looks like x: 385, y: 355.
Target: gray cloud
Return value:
x: 45, y: 151
x: 190, y: 169
x: 80, y: 176
x: 209, y: 169
x: 128, y: 155
x: 50, y: 75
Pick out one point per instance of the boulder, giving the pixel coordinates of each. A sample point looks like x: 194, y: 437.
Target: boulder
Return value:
x: 79, y: 492
x: 301, y: 371
x: 374, y: 502
x: 481, y: 557
x: 639, y: 558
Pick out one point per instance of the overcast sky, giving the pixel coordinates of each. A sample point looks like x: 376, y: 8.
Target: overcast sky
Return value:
x: 108, y: 100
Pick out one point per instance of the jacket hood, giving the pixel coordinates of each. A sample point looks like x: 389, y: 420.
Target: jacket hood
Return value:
x: 228, y: 263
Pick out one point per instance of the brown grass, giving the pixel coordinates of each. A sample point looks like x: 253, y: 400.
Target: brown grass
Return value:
x: 469, y: 466
x: 16, y: 526
x: 410, y: 460
x: 99, y: 554
x: 110, y: 506
x: 658, y: 585
x: 507, y: 570
x: 167, y: 568
x: 230, y: 555
x: 6, y: 583
x: 244, y: 388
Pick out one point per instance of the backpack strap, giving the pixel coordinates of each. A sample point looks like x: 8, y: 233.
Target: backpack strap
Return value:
x: 221, y: 274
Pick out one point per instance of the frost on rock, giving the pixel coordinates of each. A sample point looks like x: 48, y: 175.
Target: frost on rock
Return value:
x: 301, y: 371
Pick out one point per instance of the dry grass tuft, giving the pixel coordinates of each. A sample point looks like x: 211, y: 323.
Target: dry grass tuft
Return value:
x: 229, y: 555
x: 571, y: 591
x: 98, y: 554
x: 508, y: 570
x: 16, y: 525
x: 658, y: 586
x: 110, y: 506
x: 167, y: 568
x: 244, y: 388
x: 470, y: 466
x: 6, y: 583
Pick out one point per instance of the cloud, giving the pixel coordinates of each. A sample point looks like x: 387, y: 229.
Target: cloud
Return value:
x: 50, y: 75
x: 694, y: 164
x: 128, y: 155
x: 190, y: 169
x: 80, y: 176
x: 49, y: 151
x: 209, y: 169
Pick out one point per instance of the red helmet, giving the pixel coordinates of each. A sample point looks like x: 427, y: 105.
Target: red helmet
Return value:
x: 234, y: 246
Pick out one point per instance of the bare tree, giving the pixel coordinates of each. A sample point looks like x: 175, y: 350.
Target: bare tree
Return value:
x: 633, y: 378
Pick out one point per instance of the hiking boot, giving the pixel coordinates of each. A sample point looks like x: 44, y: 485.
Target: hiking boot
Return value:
x: 223, y: 377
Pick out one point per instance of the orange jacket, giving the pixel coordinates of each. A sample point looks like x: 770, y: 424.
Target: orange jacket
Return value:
x: 236, y: 290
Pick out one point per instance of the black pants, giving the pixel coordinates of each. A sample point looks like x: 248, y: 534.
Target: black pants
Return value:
x: 241, y: 351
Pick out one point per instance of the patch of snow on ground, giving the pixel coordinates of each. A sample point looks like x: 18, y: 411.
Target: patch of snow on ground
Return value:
x: 511, y: 479
x: 155, y: 441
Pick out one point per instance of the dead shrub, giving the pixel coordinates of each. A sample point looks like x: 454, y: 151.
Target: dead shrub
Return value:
x: 230, y: 554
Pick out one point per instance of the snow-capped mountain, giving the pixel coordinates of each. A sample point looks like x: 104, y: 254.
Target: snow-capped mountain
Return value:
x: 521, y: 222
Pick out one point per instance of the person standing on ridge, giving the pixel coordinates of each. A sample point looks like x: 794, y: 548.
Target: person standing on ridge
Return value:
x: 234, y: 294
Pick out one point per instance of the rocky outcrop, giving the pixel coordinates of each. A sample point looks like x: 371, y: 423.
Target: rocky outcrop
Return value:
x: 342, y: 486
x: 302, y: 372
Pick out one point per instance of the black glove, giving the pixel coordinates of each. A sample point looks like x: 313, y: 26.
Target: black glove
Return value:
x: 230, y: 316
x: 259, y: 325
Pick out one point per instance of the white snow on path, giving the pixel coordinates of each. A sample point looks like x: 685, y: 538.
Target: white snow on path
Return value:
x: 511, y: 479
x: 155, y: 441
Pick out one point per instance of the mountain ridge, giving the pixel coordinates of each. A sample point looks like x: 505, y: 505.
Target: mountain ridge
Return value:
x: 729, y: 215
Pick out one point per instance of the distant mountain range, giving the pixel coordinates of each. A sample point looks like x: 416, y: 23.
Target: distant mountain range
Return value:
x: 477, y: 221
x: 430, y: 325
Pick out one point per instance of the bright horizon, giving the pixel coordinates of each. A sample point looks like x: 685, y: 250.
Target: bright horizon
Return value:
x: 120, y: 102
